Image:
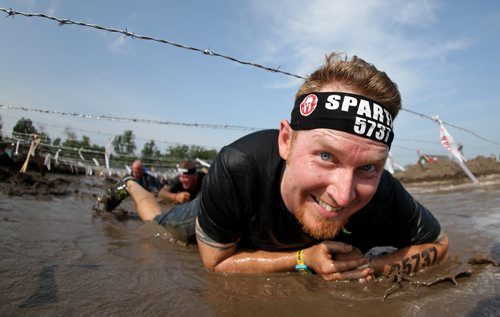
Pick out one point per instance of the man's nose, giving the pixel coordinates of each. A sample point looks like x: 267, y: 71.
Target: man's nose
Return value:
x: 342, y: 186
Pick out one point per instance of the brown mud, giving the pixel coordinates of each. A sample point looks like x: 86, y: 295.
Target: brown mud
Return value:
x: 78, y: 261
x: 448, y: 170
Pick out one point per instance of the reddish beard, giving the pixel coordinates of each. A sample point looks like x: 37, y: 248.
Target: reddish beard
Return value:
x: 327, y: 229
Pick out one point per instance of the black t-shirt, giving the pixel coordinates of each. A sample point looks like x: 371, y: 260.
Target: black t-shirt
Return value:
x: 241, y: 200
x: 176, y: 186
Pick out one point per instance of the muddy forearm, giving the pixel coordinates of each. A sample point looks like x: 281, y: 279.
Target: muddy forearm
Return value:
x: 413, y: 258
x: 165, y: 194
x: 249, y: 261
x: 226, y: 258
x: 178, y: 197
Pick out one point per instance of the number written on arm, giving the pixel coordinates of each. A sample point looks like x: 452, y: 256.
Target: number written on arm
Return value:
x: 415, y: 262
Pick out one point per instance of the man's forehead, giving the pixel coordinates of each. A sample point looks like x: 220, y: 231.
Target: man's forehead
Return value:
x: 335, y: 139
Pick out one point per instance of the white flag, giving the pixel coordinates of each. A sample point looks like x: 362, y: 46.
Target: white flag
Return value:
x: 107, y: 153
x: 81, y: 155
x: 47, y: 161
x: 450, y: 144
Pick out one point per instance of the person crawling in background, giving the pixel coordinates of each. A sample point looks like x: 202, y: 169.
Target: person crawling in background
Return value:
x: 183, y: 191
x: 185, y: 186
x: 313, y: 196
x: 145, y: 178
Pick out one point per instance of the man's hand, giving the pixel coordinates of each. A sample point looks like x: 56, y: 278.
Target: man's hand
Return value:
x: 331, y: 260
x: 338, y: 261
x: 182, y: 197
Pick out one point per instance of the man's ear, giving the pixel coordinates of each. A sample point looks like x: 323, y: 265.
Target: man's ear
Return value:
x: 285, y: 139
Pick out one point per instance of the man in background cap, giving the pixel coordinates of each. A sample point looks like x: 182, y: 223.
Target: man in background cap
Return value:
x: 185, y: 186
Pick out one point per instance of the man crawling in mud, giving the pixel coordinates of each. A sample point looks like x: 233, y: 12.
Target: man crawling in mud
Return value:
x: 314, y: 196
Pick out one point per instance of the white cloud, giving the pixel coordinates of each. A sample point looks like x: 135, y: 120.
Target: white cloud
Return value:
x: 118, y: 44
x: 397, y: 36
x: 52, y: 8
x: 418, y: 13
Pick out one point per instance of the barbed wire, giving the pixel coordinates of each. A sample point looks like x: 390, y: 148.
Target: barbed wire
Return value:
x: 440, y: 150
x: 126, y: 33
x: 109, y: 135
x: 436, y: 143
x: 418, y: 141
x: 135, y: 120
x: 205, y: 125
x: 453, y: 125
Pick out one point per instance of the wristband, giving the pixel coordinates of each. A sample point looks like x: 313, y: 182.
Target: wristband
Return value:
x: 301, y: 266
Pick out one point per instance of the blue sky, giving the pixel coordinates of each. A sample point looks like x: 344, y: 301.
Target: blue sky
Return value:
x: 442, y: 54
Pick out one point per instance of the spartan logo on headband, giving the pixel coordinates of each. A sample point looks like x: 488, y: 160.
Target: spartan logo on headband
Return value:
x: 308, y: 105
x: 344, y: 112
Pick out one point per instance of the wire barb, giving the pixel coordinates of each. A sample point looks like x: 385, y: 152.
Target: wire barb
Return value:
x: 128, y: 34
x: 10, y: 13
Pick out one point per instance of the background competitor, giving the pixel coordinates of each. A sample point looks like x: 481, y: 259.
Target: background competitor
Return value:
x: 145, y: 177
x: 185, y: 186
x: 180, y: 219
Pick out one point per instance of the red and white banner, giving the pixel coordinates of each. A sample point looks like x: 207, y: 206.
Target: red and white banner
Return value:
x: 449, y: 143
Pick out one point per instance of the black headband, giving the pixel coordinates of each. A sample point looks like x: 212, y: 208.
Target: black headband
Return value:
x: 186, y: 171
x: 345, y: 112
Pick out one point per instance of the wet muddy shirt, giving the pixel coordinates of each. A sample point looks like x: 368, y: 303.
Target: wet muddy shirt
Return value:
x: 241, y: 201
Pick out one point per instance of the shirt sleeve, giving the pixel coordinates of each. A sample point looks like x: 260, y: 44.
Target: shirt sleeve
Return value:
x: 222, y: 202
x: 393, y: 218
x: 175, y: 186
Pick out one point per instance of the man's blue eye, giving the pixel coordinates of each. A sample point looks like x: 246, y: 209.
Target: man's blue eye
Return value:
x: 325, y: 156
x: 368, y: 168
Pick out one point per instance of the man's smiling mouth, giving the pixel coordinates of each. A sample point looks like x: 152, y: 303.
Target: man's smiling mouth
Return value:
x: 327, y: 206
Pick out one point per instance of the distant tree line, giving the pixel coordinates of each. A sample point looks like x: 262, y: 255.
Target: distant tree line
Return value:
x: 124, y: 146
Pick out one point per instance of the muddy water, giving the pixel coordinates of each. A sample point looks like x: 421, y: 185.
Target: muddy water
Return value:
x: 56, y: 258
